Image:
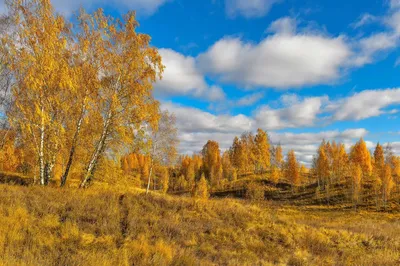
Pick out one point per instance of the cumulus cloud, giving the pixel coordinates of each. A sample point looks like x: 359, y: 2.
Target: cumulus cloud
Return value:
x: 146, y: 7
x: 285, y: 25
x: 366, y: 104
x: 249, y: 100
x: 282, y: 60
x: 372, y: 46
x: 298, y: 114
x: 294, y: 57
x: 181, y: 77
x: 196, y: 120
x: 248, y: 8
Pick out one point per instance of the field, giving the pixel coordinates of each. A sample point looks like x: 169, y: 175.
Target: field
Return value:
x: 50, y: 226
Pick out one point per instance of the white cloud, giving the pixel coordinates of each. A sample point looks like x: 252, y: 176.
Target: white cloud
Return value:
x: 181, y: 77
x: 249, y: 100
x: 248, y: 8
x: 289, y: 99
x: 282, y: 60
x: 371, y: 46
x: 299, y: 114
x: 364, y: 20
x: 393, y: 20
x: 196, y: 120
x: 294, y: 58
x: 145, y: 7
x: 366, y: 104
x: 379, y: 43
x: 285, y: 25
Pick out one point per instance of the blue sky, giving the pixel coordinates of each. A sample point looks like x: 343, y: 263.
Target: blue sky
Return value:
x: 302, y: 70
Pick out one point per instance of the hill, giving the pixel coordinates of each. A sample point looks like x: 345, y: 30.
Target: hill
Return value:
x: 49, y: 226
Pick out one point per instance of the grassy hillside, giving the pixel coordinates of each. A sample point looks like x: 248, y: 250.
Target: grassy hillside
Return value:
x: 48, y: 226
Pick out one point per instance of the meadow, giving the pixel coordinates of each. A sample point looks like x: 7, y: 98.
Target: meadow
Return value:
x: 99, y: 226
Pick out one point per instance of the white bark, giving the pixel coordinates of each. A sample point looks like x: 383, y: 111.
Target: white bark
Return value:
x: 41, y: 151
x: 150, y: 173
x: 98, y: 150
x: 73, y: 147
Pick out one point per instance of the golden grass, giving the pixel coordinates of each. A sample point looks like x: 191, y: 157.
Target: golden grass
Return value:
x: 50, y: 226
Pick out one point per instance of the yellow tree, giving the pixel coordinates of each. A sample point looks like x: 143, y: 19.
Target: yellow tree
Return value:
x: 379, y: 159
x: 360, y: 155
x: 133, y: 161
x: 164, y: 180
x: 83, y: 98
x: 262, y: 153
x: 396, y: 171
x: 9, y: 155
x: 342, y: 162
x: 125, y: 165
x: 378, y: 170
x: 278, y: 156
x: 249, y: 147
x: 38, y: 56
x: 234, y: 153
x: 128, y: 68
x: 322, y: 166
x: 276, y: 163
x: 292, y: 169
x: 275, y: 174
x: 387, y: 183
x: 226, y: 166
x: 201, y: 191
x: 303, y: 171
x: 211, y: 162
x: 191, y: 175
x: 356, y: 177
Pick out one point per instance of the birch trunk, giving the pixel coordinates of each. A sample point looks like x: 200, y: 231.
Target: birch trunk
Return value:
x: 98, y: 150
x: 152, y: 155
x: 149, y: 179
x: 73, y: 147
x: 41, y: 152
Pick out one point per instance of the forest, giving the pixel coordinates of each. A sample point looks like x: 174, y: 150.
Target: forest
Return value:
x: 88, y: 157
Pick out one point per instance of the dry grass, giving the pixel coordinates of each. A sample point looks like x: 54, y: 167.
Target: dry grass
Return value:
x: 49, y: 226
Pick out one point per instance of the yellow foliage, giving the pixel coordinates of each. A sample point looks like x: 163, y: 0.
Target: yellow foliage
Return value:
x: 201, y: 191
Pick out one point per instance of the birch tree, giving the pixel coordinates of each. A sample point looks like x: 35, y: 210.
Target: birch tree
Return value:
x: 162, y: 144
x: 128, y: 68
x: 37, y: 56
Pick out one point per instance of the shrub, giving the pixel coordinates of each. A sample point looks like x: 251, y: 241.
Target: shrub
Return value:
x: 201, y: 190
x: 255, y: 192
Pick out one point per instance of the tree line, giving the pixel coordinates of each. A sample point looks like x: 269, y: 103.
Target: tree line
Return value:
x: 355, y: 172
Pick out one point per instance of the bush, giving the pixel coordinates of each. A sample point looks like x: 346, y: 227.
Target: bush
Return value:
x: 255, y: 192
x: 201, y: 191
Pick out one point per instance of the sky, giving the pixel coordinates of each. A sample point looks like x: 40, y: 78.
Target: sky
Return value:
x: 303, y: 71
